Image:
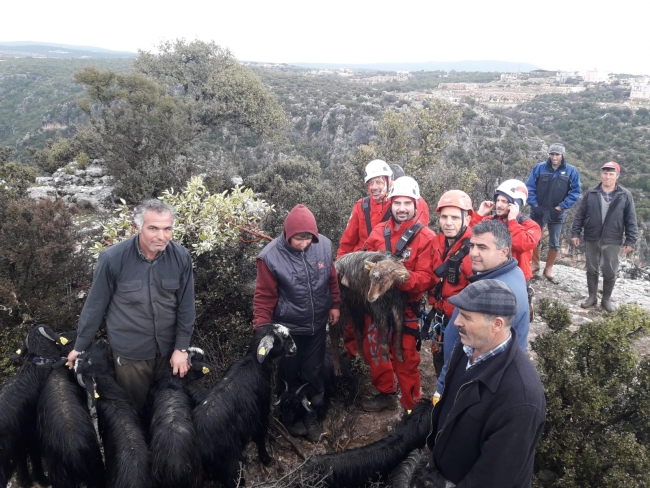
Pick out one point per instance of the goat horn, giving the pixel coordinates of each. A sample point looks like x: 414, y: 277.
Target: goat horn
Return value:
x: 45, y: 334
x: 298, y: 390
x: 305, y: 403
x: 80, y: 380
x: 286, y: 386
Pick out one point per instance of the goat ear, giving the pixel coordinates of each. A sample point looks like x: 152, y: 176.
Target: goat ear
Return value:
x: 344, y: 281
x: 264, y: 347
x: 369, y: 265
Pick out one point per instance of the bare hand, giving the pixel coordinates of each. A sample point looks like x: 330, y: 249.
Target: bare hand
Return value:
x: 72, y: 357
x: 179, y: 363
x: 575, y: 241
x: 485, y: 208
x: 558, y: 208
x: 627, y: 250
x: 513, y: 211
x: 335, y: 313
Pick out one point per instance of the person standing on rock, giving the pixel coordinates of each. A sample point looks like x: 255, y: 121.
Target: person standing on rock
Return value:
x: 553, y: 187
x: 608, y: 219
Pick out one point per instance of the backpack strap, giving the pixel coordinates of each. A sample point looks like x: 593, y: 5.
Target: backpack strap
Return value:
x: 365, y: 206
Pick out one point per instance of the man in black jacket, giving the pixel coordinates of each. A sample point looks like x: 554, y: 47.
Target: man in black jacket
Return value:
x: 608, y: 218
x: 492, y: 410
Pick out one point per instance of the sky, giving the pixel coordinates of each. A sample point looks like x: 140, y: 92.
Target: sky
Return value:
x: 551, y: 34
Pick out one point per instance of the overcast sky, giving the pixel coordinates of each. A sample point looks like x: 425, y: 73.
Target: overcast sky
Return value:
x: 552, y: 34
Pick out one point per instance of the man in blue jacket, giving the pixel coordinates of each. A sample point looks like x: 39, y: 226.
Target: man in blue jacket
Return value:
x: 492, y: 412
x: 607, y: 216
x: 553, y: 187
x: 490, y: 247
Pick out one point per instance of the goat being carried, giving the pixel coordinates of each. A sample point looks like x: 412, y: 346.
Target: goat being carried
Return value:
x: 367, y: 283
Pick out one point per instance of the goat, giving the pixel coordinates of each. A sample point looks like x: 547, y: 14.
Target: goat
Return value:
x: 41, y: 348
x: 67, y: 435
x: 237, y: 408
x: 295, y: 405
x: 417, y: 472
x: 128, y: 462
x: 175, y: 450
x: 374, y: 462
x: 367, y: 282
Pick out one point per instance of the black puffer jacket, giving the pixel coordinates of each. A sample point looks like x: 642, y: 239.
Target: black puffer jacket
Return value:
x: 620, y: 220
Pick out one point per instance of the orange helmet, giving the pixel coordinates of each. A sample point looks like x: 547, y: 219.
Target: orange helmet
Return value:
x: 455, y: 198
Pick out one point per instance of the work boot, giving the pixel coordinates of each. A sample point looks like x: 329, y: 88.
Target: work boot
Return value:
x: 534, y: 264
x: 592, y: 287
x: 313, y: 428
x: 548, y: 269
x: 379, y: 402
x: 606, y: 302
x: 297, y: 429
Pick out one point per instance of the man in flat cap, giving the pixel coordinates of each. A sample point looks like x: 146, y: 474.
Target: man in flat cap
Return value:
x: 492, y: 410
x: 608, y: 219
x: 553, y: 188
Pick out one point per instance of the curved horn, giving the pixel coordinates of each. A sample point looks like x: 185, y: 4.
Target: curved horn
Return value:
x: 305, y: 403
x: 298, y: 390
x: 286, y: 386
x: 41, y: 329
x: 80, y: 380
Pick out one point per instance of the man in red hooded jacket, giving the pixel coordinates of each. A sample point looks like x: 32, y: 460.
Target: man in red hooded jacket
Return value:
x: 297, y: 287
x: 416, y: 253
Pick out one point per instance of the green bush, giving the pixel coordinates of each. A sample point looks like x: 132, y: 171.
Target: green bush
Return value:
x: 597, y: 389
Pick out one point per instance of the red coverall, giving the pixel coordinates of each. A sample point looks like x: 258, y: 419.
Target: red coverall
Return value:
x: 437, y: 258
x: 525, y: 237
x: 417, y: 259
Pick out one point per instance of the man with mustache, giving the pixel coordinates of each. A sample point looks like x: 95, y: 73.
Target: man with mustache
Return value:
x: 490, y: 254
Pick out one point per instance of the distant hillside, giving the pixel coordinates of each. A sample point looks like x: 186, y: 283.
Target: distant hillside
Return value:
x: 502, y: 66
x: 24, y: 49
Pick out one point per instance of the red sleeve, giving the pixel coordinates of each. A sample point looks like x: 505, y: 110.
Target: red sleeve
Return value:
x: 350, y: 238
x: 476, y: 218
x: 421, y: 272
x: 334, y: 288
x: 375, y: 241
x: 525, y: 236
x: 266, y: 295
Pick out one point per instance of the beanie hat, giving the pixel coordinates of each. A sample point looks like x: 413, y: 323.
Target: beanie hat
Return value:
x: 556, y: 148
x: 491, y: 297
x: 300, y: 219
x: 398, y: 171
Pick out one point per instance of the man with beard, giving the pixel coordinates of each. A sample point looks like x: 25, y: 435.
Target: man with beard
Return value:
x: 409, y: 239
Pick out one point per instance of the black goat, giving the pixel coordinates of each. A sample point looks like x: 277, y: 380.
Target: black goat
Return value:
x: 237, y: 408
x: 128, y: 462
x: 41, y: 349
x: 175, y: 450
x: 374, y: 462
x: 67, y: 435
x: 416, y: 472
x: 367, y: 282
x: 294, y: 405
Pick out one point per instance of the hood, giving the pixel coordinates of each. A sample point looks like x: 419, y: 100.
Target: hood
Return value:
x: 300, y: 219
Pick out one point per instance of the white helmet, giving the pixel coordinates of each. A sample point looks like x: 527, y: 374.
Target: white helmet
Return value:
x: 513, y: 190
x: 405, y: 187
x: 377, y: 167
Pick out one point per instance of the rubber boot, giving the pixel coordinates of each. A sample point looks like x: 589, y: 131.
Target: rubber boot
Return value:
x: 534, y: 263
x: 592, y: 287
x: 606, y: 302
x: 550, y: 261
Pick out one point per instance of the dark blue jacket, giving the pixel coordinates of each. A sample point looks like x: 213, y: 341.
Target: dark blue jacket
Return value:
x: 510, y: 273
x: 494, y: 423
x: 548, y: 188
x: 304, y: 298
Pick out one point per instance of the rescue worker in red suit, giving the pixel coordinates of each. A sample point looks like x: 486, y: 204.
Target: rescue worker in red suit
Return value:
x: 404, y: 198
x: 378, y: 179
x: 509, y: 198
x: 450, y: 263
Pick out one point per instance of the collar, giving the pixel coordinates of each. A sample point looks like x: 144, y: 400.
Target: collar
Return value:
x: 469, y: 351
x: 490, y: 274
x: 142, y: 256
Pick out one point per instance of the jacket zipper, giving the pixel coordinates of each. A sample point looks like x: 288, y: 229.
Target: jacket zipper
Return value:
x: 311, y: 295
x: 452, y: 407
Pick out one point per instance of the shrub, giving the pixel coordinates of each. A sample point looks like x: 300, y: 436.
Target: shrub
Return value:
x: 597, y: 388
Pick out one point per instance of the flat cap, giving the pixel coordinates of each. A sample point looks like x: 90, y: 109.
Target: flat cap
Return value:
x: 556, y: 148
x: 491, y: 297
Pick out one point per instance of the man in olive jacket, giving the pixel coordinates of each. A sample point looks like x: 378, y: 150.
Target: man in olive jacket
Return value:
x: 492, y: 410
x: 607, y: 216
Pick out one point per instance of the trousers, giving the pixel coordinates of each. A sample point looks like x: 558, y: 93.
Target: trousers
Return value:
x: 602, y: 256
